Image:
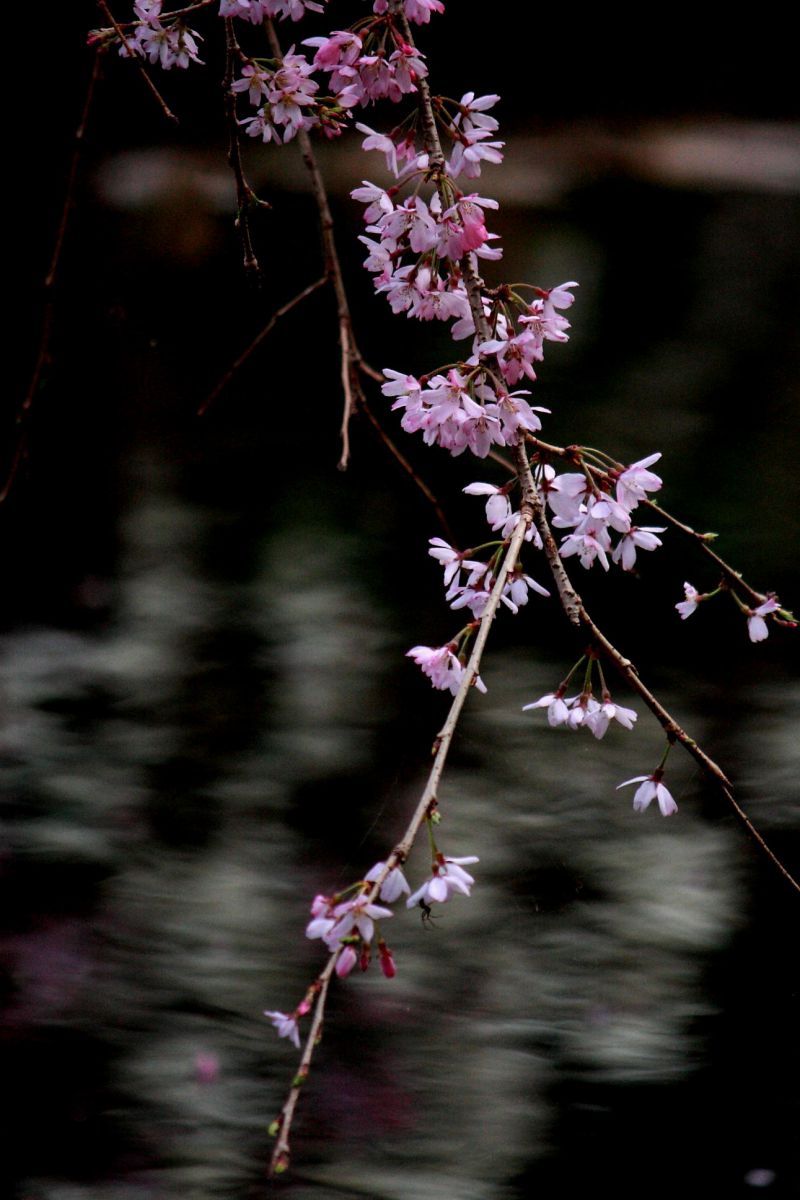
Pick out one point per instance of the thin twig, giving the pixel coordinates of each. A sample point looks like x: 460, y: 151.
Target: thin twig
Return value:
x: 279, y: 1160
x: 576, y: 609
x: 573, y: 455
x: 244, y: 192
x: 350, y: 356
x: 280, y: 1155
x: 407, y: 467
x: 167, y: 111
x: 258, y: 339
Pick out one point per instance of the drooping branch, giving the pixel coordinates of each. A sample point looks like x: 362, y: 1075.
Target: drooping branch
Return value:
x: 427, y: 800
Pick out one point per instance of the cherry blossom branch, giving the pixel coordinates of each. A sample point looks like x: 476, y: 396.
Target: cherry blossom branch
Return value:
x: 577, y: 613
x: 574, y: 456
x: 571, y: 602
x: 425, y: 806
x: 167, y: 111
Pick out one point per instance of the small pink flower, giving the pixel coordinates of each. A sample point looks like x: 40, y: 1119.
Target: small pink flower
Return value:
x: 387, y: 960
x: 442, y: 668
x: 636, y: 481
x: 393, y: 885
x: 557, y: 709
x: 448, y: 876
x: 346, y: 961
x: 286, y: 1026
x: 756, y: 625
x: 692, y: 598
x: 651, y: 788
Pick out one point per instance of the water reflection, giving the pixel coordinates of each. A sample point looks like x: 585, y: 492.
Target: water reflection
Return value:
x: 147, y: 943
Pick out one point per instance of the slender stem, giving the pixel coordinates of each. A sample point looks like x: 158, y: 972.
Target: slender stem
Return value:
x: 279, y: 1160
x: 243, y: 190
x: 350, y: 357
x: 167, y: 111
x: 425, y: 805
x: 258, y: 339
x: 573, y: 455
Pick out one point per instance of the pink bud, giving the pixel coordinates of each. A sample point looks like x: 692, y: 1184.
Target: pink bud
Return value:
x: 387, y: 961
x: 346, y: 961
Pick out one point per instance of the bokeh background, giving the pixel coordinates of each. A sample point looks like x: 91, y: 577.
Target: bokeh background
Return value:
x: 207, y: 715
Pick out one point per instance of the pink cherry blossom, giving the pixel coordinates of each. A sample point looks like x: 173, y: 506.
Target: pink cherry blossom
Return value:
x: 286, y: 1025
x: 448, y: 876
x: 651, y: 788
x: 641, y: 537
x: 557, y: 707
x: 393, y: 885
x: 636, y: 481
x: 688, y: 605
x: 601, y: 717
x: 756, y: 625
x: 442, y: 667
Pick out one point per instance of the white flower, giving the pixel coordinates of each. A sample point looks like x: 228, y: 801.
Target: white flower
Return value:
x: 447, y: 877
x: 286, y: 1026
x: 687, y: 606
x: 756, y: 625
x: 651, y: 788
x: 393, y: 885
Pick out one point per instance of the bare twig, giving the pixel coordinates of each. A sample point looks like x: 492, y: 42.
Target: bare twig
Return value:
x: 244, y: 193
x: 350, y: 356
x: 395, y: 451
x: 257, y: 340
x: 167, y: 111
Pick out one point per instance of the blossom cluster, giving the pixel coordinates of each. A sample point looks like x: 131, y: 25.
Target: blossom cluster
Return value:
x: 171, y: 45
x: 348, y: 925
x: 578, y: 503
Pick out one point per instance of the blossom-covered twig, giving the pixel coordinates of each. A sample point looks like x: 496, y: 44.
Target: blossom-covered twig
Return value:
x: 425, y: 806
